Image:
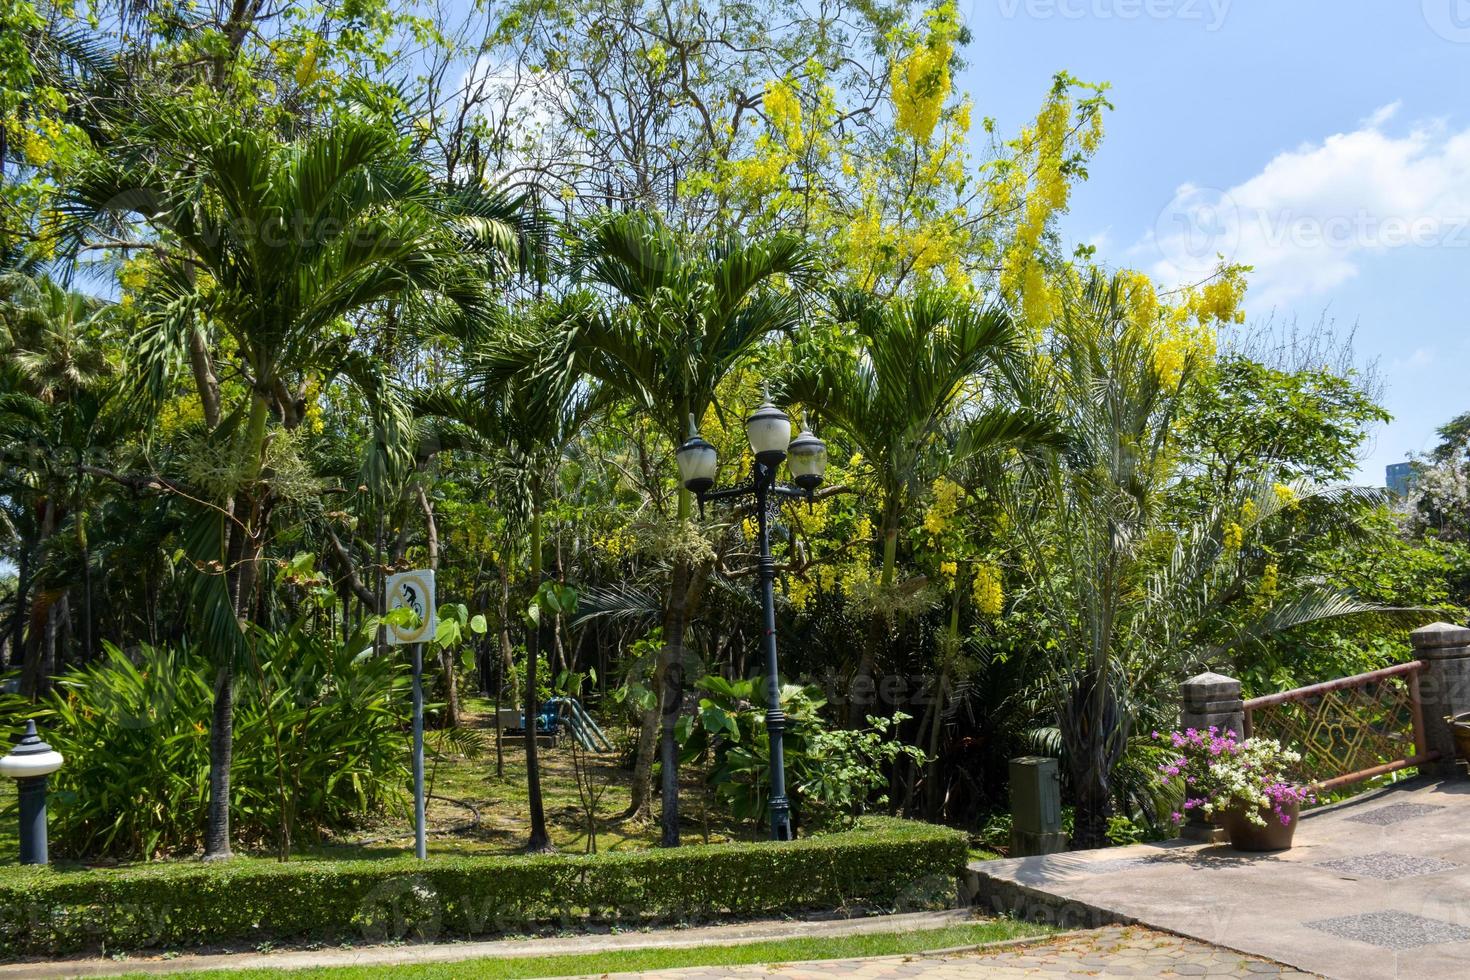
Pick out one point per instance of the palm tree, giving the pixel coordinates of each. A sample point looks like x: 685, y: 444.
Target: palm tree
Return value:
x: 56, y: 399
x: 1137, y: 596
x: 919, y: 385
x: 525, y: 427
x: 678, y: 319
x: 275, y: 247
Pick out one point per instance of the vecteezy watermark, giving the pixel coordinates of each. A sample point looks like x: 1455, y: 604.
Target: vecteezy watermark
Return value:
x: 1450, y: 19
x: 1202, y: 227
x: 1197, y: 229
x: 1210, y: 13
x: 1362, y: 229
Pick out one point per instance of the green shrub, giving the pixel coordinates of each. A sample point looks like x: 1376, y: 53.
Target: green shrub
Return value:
x: 883, y: 863
x: 834, y: 774
x: 320, y: 741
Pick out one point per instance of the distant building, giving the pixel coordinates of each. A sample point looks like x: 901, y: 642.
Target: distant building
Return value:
x: 1400, y: 478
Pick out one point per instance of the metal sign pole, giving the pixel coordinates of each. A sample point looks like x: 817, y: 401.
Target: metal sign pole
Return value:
x: 420, y: 845
x: 414, y: 590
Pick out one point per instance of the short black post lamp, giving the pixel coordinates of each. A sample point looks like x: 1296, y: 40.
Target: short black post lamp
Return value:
x: 29, y: 763
x: 769, y: 432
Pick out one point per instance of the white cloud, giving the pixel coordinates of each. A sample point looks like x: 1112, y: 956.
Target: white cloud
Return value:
x: 1315, y: 214
x: 528, y: 108
x: 1382, y: 114
x: 1419, y: 358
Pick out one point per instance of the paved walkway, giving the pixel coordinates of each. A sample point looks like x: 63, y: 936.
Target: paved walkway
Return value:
x: 1115, y: 952
x: 1374, y: 888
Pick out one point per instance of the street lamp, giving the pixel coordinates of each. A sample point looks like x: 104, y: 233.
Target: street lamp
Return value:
x: 769, y: 432
x: 29, y: 763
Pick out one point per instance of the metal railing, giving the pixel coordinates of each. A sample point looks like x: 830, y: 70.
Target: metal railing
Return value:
x: 1354, y: 727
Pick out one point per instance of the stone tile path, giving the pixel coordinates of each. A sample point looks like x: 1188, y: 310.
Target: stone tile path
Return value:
x: 1376, y: 889
x: 1112, y: 952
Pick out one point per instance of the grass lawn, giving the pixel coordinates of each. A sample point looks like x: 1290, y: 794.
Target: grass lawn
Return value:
x: 502, y: 805
x: 639, y: 960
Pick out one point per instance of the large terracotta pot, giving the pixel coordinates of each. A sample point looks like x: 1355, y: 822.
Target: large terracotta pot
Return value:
x: 1275, y: 836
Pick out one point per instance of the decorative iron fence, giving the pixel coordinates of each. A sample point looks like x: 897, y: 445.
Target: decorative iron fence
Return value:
x: 1350, y: 729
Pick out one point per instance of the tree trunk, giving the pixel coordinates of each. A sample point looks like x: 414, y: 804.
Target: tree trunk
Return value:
x: 242, y: 557
x: 932, y: 798
x: 18, y: 618
x: 221, y: 750
x: 507, y: 665
x: 642, y: 789
x: 862, y: 697
x: 55, y: 615
x: 540, y: 840
x: 34, y: 679
x: 201, y: 363
x: 1091, y: 728
x: 86, y: 556
x: 1094, y: 806
x: 671, y: 695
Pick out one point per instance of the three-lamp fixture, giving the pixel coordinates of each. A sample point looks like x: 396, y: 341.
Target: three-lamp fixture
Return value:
x: 769, y: 432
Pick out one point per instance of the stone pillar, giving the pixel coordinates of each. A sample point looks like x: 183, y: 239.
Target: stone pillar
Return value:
x: 1212, y: 701
x: 1444, y: 689
x: 1208, y: 701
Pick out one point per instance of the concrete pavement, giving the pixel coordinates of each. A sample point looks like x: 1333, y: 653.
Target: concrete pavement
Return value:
x: 1373, y: 889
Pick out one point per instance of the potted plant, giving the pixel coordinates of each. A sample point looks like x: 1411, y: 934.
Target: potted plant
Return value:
x: 1242, y: 783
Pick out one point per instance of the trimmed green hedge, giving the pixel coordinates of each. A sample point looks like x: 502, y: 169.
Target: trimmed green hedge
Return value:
x: 882, y: 863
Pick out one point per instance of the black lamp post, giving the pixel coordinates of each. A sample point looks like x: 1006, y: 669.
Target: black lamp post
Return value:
x: 769, y: 432
x: 29, y: 763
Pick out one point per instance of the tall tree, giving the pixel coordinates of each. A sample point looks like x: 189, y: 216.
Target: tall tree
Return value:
x: 680, y: 317
x: 920, y: 386
x: 264, y: 250
x: 1138, y: 594
x: 57, y: 405
x: 526, y: 425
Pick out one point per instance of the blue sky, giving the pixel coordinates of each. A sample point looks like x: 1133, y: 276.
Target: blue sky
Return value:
x: 1326, y: 142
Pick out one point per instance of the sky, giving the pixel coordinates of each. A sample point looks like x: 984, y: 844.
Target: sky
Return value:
x: 1324, y: 142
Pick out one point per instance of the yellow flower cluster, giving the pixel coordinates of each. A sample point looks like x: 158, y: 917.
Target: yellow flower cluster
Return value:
x: 616, y: 544
x: 1179, y: 344
x: 1270, y: 580
x: 799, y: 593
x: 814, y: 519
x: 311, y: 418
x: 1179, y: 334
x: 919, y: 83
x: 783, y: 109
x: 133, y: 274
x: 948, y: 570
x: 1248, y: 512
x: 765, y: 172
x: 1285, y: 495
x: 1233, y: 536
x: 989, y: 597
x: 306, y: 72
x: 941, y: 511
x: 856, y: 577
x: 1041, y: 150
x: 1219, y: 300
